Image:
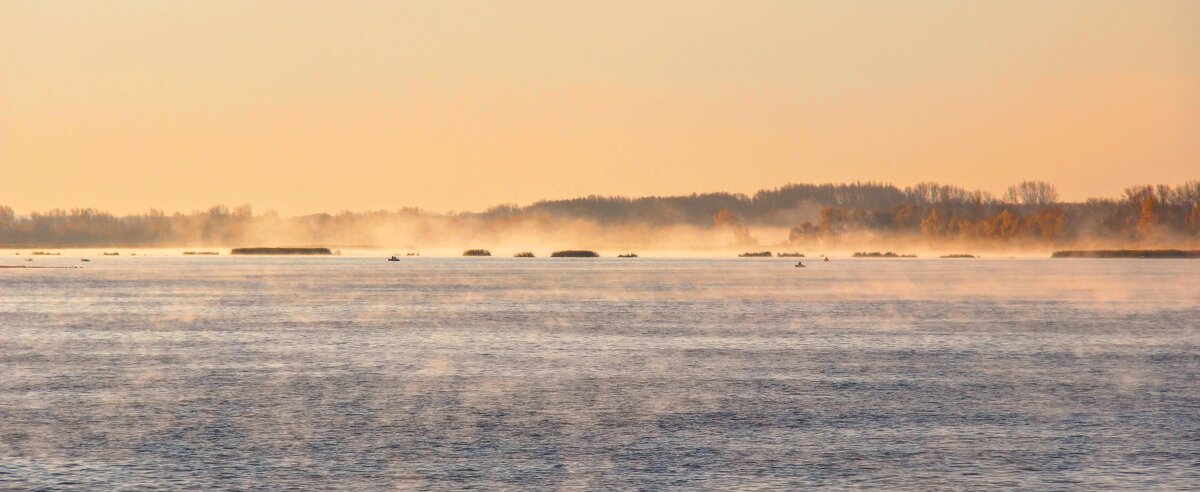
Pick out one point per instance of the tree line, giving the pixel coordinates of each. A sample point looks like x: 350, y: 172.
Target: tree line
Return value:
x: 1028, y: 211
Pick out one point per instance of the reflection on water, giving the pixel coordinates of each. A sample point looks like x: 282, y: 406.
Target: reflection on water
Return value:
x: 441, y: 373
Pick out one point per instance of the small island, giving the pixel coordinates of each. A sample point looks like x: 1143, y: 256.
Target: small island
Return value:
x: 1129, y: 253
x: 524, y: 254
x: 876, y: 254
x: 755, y: 254
x: 477, y: 252
x: 201, y: 253
x: 627, y: 255
x: 281, y: 251
x: 574, y: 253
x: 790, y: 255
x: 959, y: 256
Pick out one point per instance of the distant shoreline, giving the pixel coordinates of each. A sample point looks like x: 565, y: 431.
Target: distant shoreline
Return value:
x: 1129, y: 253
x: 281, y: 251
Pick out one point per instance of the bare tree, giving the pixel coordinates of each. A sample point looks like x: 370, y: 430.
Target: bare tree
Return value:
x: 1035, y: 193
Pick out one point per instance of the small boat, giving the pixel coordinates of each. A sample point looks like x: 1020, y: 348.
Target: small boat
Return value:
x: 393, y: 258
x: 826, y: 258
x: 800, y: 264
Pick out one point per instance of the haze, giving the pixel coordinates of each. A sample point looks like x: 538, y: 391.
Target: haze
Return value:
x: 304, y: 107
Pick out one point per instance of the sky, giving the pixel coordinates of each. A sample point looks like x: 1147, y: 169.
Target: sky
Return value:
x: 303, y: 107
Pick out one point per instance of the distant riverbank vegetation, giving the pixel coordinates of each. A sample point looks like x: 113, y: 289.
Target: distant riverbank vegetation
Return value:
x: 281, y: 251
x: 755, y: 254
x: 853, y: 216
x: 574, y: 253
x: 1129, y: 253
x: 477, y: 252
x: 523, y: 254
x: 876, y: 254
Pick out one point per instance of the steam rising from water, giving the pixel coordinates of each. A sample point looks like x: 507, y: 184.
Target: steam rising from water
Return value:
x: 353, y: 372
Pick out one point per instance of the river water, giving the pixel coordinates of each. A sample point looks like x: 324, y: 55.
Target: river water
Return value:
x: 355, y: 373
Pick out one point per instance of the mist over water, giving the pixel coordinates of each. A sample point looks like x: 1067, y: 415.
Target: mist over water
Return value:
x: 356, y: 373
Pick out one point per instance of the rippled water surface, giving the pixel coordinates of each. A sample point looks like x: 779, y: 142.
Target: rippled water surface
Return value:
x: 356, y: 373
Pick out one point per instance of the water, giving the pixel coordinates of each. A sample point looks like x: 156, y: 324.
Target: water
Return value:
x: 357, y: 373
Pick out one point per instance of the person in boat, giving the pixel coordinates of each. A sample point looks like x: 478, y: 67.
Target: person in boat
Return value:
x: 393, y: 258
x: 826, y: 258
x: 799, y: 264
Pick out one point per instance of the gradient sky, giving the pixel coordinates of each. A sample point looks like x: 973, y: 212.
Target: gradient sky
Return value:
x: 323, y: 106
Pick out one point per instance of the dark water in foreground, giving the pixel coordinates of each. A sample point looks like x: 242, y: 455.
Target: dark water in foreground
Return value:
x: 356, y: 373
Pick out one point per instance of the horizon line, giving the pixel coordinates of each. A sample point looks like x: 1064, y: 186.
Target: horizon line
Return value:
x: 987, y: 195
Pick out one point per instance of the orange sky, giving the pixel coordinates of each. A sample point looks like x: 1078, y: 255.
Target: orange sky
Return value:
x: 323, y: 106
